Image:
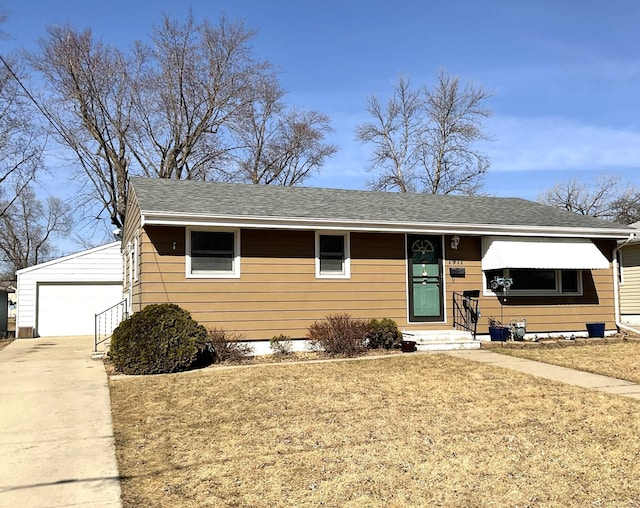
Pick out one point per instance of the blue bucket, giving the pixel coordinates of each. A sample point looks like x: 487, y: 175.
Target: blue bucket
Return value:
x: 499, y: 333
x: 595, y: 330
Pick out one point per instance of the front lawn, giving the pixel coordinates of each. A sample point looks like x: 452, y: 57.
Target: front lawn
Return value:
x: 410, y: 430
x: 620, y: 360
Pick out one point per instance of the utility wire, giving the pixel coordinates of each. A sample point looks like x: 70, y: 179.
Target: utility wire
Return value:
x: 44, y: 112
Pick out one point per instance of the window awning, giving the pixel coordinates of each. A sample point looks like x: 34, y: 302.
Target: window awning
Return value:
x: 542, y: 253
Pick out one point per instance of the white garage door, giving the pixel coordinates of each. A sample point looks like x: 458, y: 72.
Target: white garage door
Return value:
x: 69, y: 309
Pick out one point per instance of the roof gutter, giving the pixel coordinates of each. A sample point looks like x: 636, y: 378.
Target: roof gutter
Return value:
x: 171, y: 219
x: 616, y: 287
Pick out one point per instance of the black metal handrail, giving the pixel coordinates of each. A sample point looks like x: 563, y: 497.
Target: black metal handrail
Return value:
x: 466, y: 312
x: 107, y: 321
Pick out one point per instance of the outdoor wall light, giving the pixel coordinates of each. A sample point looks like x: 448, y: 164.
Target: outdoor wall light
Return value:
x: 455, y: 241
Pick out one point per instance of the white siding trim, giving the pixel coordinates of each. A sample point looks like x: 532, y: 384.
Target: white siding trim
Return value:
x: 98, y: 265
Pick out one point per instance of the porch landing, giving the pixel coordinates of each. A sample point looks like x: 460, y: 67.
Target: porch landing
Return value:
x: 441, y: 340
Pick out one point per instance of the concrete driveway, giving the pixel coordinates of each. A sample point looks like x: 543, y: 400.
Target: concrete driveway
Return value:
x: 56, y: 438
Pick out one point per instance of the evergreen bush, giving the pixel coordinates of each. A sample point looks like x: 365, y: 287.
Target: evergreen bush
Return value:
x: 159, y: 339
x: 383, y: 333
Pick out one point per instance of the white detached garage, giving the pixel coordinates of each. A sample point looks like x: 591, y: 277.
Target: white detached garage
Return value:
x: 61, y: 297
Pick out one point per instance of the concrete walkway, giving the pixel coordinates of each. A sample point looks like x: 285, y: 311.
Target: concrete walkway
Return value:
x: 552, y: 372
x: 56, y: 438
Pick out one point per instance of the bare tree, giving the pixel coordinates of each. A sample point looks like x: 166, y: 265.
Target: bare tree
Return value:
x: 21, y: 142
x: 626, y: 207
x: 171, y: 109
x: 603, y: 197
x: 277, y: 146
x: 452, y: 165
x: 157, y: 111
x: 27, y: 228
x: 199, y: 77
x: 299, y: 149
x: 424, y: 139
x: 396, y: 133
x: 582, y: 198
x: 89, y: 105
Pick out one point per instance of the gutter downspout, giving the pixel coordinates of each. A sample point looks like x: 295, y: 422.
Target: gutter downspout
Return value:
x: 616, y: 287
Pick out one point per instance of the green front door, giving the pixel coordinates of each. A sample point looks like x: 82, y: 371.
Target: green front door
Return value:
x: 425, y: 278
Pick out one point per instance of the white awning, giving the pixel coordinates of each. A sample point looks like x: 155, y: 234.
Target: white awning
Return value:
x: 547, y: 253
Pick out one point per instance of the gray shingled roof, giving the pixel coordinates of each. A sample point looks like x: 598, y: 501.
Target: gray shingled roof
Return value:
x: 193, y: 198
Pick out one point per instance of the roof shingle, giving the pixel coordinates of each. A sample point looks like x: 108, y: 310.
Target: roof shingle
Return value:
x: 213, y: 199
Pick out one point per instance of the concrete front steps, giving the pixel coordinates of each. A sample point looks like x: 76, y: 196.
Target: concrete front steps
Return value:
x: 441, y: 340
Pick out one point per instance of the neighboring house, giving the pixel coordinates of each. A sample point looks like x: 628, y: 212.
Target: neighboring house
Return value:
x: 7, y: 292
x: 263, y: 261
x: 629, y: 282
x: 61, y: 297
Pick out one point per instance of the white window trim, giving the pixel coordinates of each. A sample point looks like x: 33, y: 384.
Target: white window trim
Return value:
x: 131, y: 263
x: 125, y: 274
x: 533, y: 292
x: 136, y: 253
x: 213, y: 274
x: 346, y: 273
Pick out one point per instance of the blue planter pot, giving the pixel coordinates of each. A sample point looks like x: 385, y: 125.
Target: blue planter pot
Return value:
x: 499, y: 333
x: 595, y: 330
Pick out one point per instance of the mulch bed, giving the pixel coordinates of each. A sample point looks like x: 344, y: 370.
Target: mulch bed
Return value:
x: 558, y: 342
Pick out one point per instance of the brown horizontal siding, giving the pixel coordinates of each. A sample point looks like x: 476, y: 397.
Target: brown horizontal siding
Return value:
x: 132, y: 219
x: 237, y: 291
x: 277, y: 291
x: 268, y: 307
x: 285, y: 297
x: 131, y: 225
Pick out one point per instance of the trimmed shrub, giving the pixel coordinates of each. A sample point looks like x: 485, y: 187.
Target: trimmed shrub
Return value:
x: 281, y: 345
x: 383, y: 333
x: 339, y: 334
x: 159, y: 339
x: 227, y: 347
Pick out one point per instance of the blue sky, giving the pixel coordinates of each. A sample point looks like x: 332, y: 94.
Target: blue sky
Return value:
x: 564, y: 75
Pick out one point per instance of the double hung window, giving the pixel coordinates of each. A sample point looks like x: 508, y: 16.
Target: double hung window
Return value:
x: 332, y: 255
x: 213, y: 253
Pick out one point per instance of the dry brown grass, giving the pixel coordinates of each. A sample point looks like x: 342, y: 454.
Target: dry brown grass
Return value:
x: 412, y: 430
x: 620, y: 360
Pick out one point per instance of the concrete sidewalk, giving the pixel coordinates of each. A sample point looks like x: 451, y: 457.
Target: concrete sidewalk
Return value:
x: 544, y: 370
x: 56, y: 438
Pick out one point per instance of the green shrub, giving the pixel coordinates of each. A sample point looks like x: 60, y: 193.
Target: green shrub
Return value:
x: 227, y: 347
x: 281, y: 345
x: 339, y: 334
x: 161, y: 338
x: 383, y: 333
